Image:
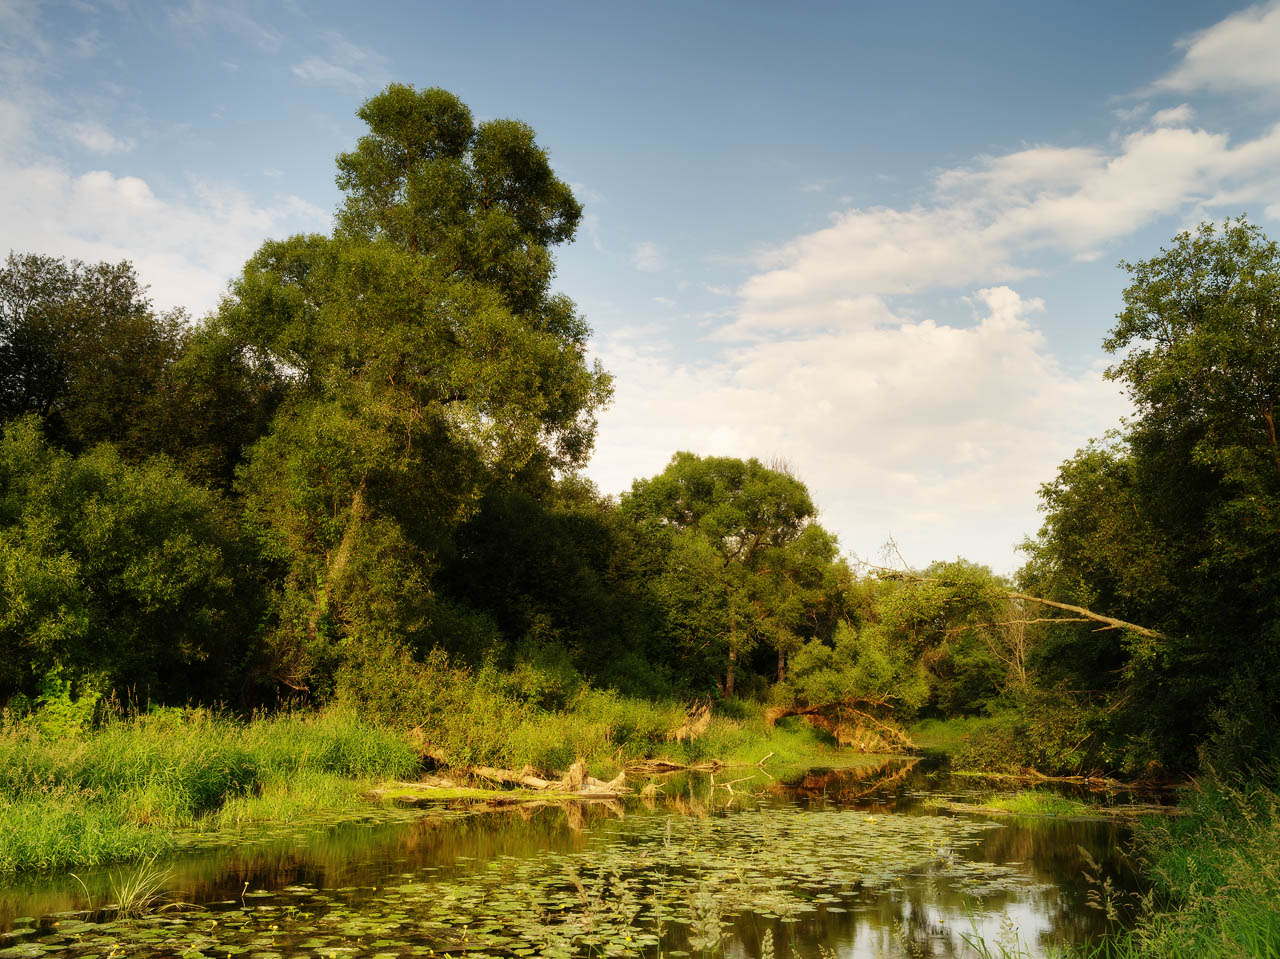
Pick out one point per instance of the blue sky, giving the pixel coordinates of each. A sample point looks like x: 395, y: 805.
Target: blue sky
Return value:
x: 876, y: 241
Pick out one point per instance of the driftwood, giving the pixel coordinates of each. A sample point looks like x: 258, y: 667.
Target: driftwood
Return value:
x: 1091, y: 782
x: 655, y: 767
x: 575, y: 782
x: 1127, y: 811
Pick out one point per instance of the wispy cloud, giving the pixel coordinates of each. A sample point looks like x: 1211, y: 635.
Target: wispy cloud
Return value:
x: 343, y: 64
x: 86, y: 45
x: 97, y: 138
x: 199, y: 15
x: 648, y: 258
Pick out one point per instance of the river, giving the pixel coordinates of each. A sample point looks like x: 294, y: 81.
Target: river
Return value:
x: 861, y: 863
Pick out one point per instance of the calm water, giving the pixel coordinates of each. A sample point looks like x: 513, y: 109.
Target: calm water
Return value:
x: 858, y: 862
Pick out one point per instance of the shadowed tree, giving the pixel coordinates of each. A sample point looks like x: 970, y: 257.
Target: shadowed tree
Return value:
x: 1175, y: 523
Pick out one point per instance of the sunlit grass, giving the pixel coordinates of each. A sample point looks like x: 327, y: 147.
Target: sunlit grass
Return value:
x: 1037, y: 803
x: 123, y: 791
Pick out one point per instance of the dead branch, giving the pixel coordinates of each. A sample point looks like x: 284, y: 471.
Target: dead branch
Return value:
x: 1110, y: 621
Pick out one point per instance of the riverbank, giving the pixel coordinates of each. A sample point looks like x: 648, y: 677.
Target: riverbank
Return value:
x: 145, y: 785
x: 1215, y: 876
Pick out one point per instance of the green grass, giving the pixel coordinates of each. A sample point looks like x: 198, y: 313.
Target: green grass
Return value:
x: 479, y: 718
x: 608, y: 731
x: 137, y: 788
x: 1032, y: 802
x: 1217, y: 874
x: 123, y: 791
x: 946, y: 735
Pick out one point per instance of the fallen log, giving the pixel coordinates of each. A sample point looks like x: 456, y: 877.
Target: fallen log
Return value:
x: 660, y: 766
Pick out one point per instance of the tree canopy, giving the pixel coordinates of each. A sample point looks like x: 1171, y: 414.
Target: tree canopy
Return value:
x: 1174, y: 522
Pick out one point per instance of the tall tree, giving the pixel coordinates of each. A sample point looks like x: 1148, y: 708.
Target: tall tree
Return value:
x: 428, y: 358
x: 1176, y: 524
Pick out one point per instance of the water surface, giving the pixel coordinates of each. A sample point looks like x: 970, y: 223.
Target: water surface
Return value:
x: 859, y: 863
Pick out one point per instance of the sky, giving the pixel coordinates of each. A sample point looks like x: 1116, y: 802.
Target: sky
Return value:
x: 878, y: 242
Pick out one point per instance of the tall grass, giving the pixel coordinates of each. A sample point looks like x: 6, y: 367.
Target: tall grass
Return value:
x: 1216, y: 878
x: 479, y: 717
x: 119, y: 792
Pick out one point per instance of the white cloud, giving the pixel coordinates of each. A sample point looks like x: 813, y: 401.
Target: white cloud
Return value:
x: 990, y: 221
x: 93, y: 136
x: 1179, y: 116
x: 320, y: 70
x: 1238, y: 54
x: 648, y: 258
x: 186, y: 246
x: 933, y: 433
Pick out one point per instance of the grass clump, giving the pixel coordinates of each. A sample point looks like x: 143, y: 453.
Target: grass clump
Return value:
x: 1032, y: 802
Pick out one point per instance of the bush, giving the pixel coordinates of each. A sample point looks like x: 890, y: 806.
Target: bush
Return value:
x: 118, y: 575
x: 1050, y: 732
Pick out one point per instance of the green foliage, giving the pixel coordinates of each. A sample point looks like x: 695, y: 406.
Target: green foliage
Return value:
x: 862, y: 666
x: 81, y: 348
x: 1050, y: 731
x: 57, y: 713
x: 550, y: 563
x: 478, y: 201
x: 121, y: 575
x: 952, y: 622
x: 429, y: 361
x: 1172, y: 524
x: 744, y: 562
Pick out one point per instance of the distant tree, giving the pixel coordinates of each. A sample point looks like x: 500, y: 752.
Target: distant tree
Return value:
x: 81, y: 347
x: 742, y: 555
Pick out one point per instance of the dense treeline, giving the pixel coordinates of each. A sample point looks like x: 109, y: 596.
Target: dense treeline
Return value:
x: 368, y: 457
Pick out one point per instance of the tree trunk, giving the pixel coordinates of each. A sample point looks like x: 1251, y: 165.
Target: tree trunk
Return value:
x: 728, y: 676
x: 782, y: 665
x: 342, y: 556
